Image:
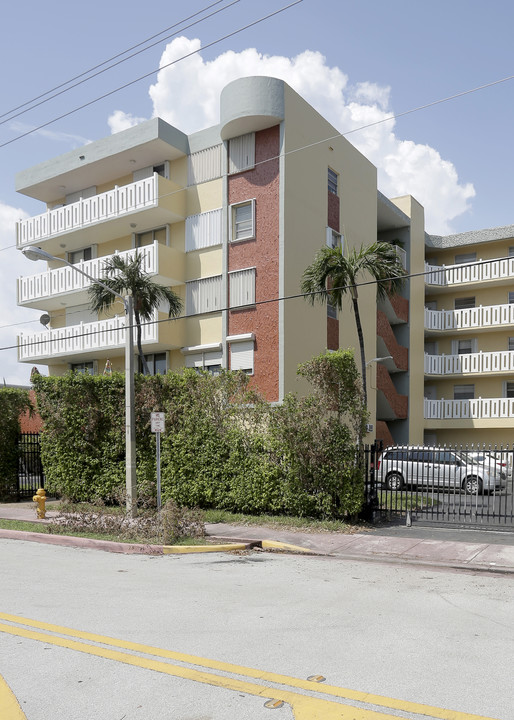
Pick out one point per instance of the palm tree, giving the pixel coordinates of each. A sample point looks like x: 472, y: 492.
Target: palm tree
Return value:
x: 332, y: 275
x: 122, y: 275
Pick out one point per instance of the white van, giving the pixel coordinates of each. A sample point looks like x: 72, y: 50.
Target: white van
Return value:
x: 436, y: 468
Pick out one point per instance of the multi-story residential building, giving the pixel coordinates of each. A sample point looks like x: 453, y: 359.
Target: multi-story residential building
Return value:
x: 230, y: 217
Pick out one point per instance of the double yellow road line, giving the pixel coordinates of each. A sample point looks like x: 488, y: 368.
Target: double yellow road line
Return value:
x: 310, y: 706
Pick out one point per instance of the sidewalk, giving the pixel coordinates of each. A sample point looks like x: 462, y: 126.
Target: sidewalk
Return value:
x: 451, y: 548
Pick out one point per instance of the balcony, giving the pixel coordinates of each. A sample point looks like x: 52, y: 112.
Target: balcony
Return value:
x: 481, y: 271
x: 477, y: 409
x: 86, y: 341
x: 470, y: 363
x: 48, y: 290
x: 484, y: 317
x: 156, y: 201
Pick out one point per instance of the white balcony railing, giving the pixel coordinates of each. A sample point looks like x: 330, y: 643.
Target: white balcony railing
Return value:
x: 106, y: 206
x: 65, y: 279
x: 80, y: 338
x: 479, y: 409
x: 478, y: 317
x: 476, y: 272
x: 479, y: 362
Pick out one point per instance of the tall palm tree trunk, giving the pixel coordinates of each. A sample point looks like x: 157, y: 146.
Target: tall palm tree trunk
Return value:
x: 360, y: 335
x: 144, y: 364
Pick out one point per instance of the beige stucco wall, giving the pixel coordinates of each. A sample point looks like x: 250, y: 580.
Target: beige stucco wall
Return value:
x: 305, y: 214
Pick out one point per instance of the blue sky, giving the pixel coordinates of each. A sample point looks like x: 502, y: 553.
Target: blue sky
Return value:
x: 357, y: 62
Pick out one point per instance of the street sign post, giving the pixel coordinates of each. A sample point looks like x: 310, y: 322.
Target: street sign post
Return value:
x: 157, y: 425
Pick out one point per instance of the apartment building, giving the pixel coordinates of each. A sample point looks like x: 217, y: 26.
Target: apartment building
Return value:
x: 230, y: 217
x: 469, y: 337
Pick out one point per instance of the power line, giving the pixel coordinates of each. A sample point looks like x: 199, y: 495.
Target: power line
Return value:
x: 227, y: 308
x: 119, y: 62
x: 146, y: 75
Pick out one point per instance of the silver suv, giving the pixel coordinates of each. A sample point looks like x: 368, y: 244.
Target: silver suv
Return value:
x: 435, y: 467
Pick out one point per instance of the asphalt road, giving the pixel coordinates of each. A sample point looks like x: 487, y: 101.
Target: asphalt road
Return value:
x: 407, y: 634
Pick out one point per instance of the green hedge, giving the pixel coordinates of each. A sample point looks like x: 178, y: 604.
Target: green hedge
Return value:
x: 13, y: 403
x: 224, y: 447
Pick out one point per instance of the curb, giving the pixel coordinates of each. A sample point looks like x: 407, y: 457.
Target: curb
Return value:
x: 141, y: 549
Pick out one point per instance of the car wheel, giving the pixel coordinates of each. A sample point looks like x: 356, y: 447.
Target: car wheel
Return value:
x: 472, y: 485
x: 394, y: 481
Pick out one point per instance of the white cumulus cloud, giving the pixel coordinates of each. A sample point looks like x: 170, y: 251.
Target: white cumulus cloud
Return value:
x: 186, y: 94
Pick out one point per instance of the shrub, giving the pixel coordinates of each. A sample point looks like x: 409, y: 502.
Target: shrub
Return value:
x: 224, y: 447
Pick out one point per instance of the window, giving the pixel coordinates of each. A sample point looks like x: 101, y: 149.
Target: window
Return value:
x: 331, y: 310
x: 332, y: 181
x: 464, y: 258
x: 511, y: 297
x: 431, y: 348
x: 242, y: 287
x: 243, y: 221
x: 241, y: 153
x: 511, y: 344
x: 148, y: 238
x: 156, y: 364
x: 208, y: 360
x: 463, y: 392
x: 203, y: 295
x: 464, y: 303
x: 80, y: 255
x: 511, y: 251
x: 241, y: 356
x: 333, y: 238
x: 431, y: 305
x: 84, y: 367
x: 508, y: 389
x: 464, y: 347
x: 203, y: 230
x: 205, y: 165
x: 146, y: 172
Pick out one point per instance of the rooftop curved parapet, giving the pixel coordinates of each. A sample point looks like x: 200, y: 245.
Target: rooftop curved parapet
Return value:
x: 250, y: 104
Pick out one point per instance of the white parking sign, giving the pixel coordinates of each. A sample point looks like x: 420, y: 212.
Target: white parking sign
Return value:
x: 157, y: 422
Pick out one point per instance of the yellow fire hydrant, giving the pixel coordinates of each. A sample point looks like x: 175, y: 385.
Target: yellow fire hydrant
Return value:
x: 40, y: 499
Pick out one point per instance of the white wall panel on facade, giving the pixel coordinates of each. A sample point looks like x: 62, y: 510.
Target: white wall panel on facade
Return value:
x: 241, y: 153
x: 203, y: 295
x: 242, y: 287
x: 205, y: 165
x: 204, y: 230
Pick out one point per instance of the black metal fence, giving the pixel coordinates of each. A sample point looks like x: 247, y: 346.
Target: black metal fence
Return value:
x: 30, y: 469
x: 463, y: 486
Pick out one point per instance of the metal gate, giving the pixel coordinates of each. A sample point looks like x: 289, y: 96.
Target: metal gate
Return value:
x: 467, y: 487
x: 30, y: 469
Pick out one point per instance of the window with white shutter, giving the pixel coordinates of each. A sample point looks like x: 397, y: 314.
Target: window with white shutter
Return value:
x: 205, y: 165
x: 241, y: 153
x: 242, y: 287
x: 465, y: 258
x: 241, y: 356
x: 204, y: 230
x: 203, y: 295
x: 206, y: 360
x: 243, y: 221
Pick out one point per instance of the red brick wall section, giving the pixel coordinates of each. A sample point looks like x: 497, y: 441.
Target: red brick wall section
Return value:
x: 332, y: 333
x: 261, y: 183
x: 383, y: 433
x: 31, y: 424
x: 398, y: 403
x: 333, y: 211
x: 400, y: 306
x: 399, y: 353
